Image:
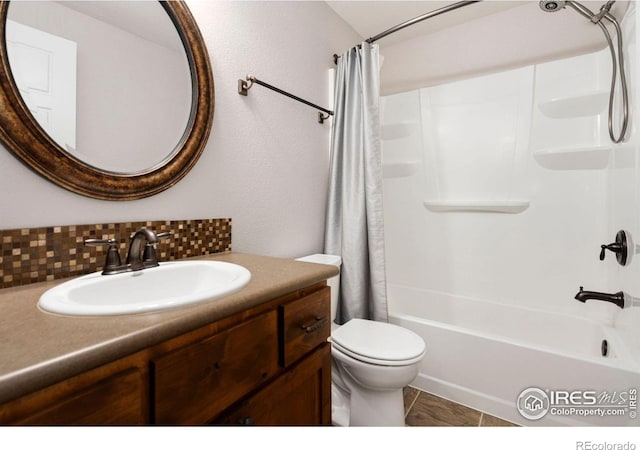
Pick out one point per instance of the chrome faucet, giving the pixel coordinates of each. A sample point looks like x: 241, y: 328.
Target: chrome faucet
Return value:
x: 141, y: 255
x: 617, y: 298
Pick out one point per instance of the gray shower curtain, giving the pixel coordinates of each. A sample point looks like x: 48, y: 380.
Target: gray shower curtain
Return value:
x: 354, y: 226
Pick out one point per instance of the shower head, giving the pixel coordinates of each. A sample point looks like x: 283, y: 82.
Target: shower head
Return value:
x: 617, y: 60
x: 552, y: 5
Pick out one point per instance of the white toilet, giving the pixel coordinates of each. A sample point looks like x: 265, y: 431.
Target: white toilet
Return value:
x: 372, y: 363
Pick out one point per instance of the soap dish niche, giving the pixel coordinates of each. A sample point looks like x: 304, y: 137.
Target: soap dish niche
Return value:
x: 573, y: 158
x: 582, y: 105
x: 486, y: 206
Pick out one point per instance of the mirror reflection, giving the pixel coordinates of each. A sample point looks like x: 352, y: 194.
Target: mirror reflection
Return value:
x: 109, y: 82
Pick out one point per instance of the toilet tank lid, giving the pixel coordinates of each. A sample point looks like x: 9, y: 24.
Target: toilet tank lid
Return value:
x: 318, y: 258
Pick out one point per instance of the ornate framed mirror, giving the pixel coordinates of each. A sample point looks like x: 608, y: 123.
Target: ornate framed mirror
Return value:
x: 111, y: 139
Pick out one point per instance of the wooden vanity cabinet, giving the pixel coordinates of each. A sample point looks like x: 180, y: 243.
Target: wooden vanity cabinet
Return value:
x: 270, y: 365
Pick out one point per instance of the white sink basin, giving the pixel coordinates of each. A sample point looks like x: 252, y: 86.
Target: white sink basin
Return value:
x: 170, y: 285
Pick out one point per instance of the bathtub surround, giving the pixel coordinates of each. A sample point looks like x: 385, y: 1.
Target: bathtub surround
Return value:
x: 354, y: 226
x: 497, y: 290
x: 526, y: 155
x: 31, y: 255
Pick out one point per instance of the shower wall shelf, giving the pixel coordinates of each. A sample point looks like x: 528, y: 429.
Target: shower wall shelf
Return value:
x: 492, y: 206
x: 399, y: 169
x: 398, y: 130
x: 573, y: 158
x: 582, y: 105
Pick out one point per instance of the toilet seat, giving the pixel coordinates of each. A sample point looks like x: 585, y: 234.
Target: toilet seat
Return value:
x: 378, y: 343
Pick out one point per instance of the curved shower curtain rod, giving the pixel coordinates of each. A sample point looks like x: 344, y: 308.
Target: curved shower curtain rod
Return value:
x: 429, y: 15
x: 408, y: 23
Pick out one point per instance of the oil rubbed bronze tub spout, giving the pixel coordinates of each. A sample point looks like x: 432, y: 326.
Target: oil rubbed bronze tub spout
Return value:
x: 617, y: 298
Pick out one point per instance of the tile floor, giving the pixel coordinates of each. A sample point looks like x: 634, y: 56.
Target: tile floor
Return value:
x: 427, y: 410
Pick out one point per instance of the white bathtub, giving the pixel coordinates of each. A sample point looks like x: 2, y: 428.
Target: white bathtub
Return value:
x: 484, y: 354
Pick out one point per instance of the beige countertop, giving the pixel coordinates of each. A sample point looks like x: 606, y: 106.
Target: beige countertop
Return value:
x: 38, y: 349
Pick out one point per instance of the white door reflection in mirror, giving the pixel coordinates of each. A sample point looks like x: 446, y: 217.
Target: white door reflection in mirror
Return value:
x: 44, y: 69
x: 134, y: 87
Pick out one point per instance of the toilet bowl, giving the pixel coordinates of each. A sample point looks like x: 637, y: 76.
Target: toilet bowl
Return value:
x: 371, y: 363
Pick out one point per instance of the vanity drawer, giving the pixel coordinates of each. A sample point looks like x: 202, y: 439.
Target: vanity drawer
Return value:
x: 195, y: 383
x: 115, y: 400
x: 304, y: 324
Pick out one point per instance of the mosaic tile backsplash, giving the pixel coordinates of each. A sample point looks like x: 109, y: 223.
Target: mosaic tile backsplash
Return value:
x: 30, y: 255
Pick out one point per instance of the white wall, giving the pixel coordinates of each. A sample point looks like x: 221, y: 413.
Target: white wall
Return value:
x: 266, y: 162
x: 539, y: 257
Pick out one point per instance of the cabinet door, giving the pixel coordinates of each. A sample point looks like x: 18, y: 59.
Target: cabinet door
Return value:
x: 301, y: 396
x: 116, y: 400
x: 194, y: 384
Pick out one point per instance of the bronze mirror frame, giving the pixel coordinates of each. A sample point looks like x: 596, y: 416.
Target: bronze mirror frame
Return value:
x: 23, y: 136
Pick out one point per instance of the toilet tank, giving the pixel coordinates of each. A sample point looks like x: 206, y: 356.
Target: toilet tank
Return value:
x: 333, y: 282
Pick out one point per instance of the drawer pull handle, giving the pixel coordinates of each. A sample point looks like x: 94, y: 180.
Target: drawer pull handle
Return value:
x: 317, y: 323
x: 246, y: 421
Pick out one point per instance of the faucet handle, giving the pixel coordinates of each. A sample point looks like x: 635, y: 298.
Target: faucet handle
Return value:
x: 98, y: 242
x: 604, y: 247
x: 112, y: 260
x: 619, y: 247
